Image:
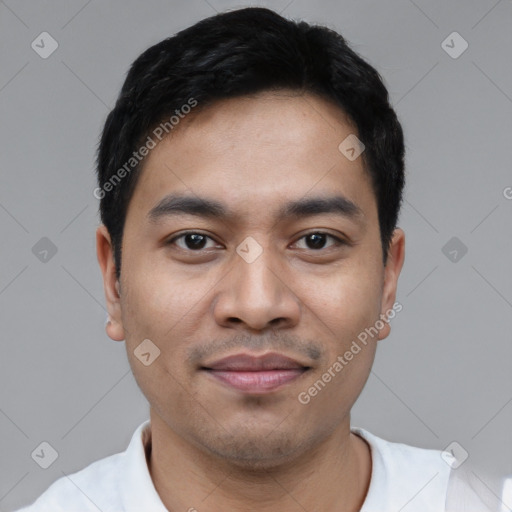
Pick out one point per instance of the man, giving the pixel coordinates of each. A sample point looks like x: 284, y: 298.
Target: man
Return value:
x: 250, y: 178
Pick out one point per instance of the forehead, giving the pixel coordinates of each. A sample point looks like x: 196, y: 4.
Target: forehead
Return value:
x: 252, y: 152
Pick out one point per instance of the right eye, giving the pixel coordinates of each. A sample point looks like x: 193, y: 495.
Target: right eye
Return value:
x: 191, y: 240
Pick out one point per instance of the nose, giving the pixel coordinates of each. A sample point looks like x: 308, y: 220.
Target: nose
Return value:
x: 256, y: 296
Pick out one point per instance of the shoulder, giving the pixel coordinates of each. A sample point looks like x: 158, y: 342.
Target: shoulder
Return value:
x: 405, y: 477
x: 399, y: 457
x: 91, y: 489
x: 106, y: 484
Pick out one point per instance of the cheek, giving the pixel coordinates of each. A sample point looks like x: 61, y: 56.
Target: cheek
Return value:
x: 161, y: 309
x: 346, y: 301
x: 159, y: 301
x: 166, y: 309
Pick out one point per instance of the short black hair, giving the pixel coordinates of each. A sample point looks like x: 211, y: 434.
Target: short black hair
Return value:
x: 239, y: 53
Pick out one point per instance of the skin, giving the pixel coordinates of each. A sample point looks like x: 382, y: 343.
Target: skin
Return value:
x: 213, y: 447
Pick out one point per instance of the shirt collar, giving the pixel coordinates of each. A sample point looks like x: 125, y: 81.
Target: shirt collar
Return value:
x: 137, y: 489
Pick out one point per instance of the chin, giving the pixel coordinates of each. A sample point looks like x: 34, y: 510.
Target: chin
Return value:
x: 249, y: 450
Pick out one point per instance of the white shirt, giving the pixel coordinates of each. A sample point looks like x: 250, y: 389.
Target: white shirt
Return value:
x: 403, y: 478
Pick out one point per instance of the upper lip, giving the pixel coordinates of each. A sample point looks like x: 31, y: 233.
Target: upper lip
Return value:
x: 249, y: 362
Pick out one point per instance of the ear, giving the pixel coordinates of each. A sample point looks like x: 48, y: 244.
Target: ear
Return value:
x: 396, y: 256
x: 105, y: 253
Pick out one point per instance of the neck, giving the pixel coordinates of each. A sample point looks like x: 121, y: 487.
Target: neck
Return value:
x: 332, y: 476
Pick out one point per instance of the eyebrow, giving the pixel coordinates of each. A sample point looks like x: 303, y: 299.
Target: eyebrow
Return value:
x: 173, y: 204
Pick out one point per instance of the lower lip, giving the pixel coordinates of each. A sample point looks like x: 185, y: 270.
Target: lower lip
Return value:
x: 263, y: 381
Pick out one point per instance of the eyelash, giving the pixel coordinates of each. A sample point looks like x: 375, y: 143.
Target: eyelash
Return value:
x: 337, y: 241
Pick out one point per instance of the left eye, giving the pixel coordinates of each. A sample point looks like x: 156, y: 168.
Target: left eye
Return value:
x: 317, y: 240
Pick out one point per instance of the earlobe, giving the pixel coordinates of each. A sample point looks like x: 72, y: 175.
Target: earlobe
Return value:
x: 105, y: 254
x: 115, y: 331
x: 385, y: 331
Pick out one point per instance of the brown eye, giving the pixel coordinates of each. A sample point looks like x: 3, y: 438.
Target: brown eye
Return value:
x: 192, y: 241
x: 318, y: 240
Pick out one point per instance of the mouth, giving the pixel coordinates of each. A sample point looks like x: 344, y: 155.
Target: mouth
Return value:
x: 256, y: 374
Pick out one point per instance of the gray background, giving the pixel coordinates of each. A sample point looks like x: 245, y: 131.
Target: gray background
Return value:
x: 445, y: 372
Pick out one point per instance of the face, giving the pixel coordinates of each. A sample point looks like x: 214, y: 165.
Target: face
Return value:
x: 276, y: 251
